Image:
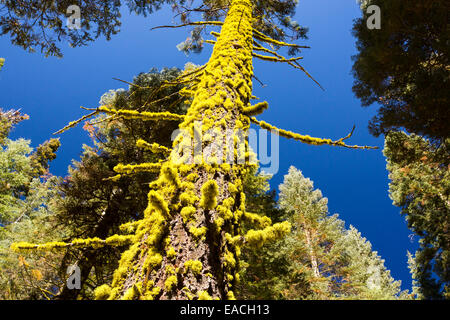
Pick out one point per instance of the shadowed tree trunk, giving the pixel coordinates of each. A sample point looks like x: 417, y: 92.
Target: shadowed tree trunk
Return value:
x: 88, y: 256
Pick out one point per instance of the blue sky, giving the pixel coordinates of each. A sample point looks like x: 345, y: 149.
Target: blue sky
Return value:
x: 51, y: 91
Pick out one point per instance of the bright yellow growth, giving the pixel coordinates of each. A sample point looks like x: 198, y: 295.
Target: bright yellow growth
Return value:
x: 158, y: 203
x: 171, y: 253
x: 145, y: 116
x: 254, y: 218
x: 115, y: 240
x: 187, y: 213
x: 194, y: 265
x: 256, y: 109
x: 258, y: 238
x: 203, y: 295
x: 154, y: 147
x: 170, y: 283
x: 210, y: 190
x: 102, y: 292
x: 230, y: 295
x: 198, y: 233
x: 135, y: 168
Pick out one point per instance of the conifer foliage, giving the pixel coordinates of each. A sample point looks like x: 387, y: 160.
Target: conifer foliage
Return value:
x: 420, y: 185
x: 320, y: 258
x: 26, y: 192
x: 41, y: 25
x: 404, y: 66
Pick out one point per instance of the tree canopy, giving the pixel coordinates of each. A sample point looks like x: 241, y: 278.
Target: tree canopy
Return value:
x: 420, y: 185
x: 404, y: 66
x: 320, y: 259
x: 41, y: 25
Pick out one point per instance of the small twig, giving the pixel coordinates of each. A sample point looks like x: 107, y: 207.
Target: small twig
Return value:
x: 260, y: 82
x: 131, y: 84
x: 349, y: 135
x: 102, y: 120
x: 214, y: 23
x: 88, y: 109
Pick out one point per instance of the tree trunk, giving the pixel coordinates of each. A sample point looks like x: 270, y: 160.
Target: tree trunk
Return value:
x: 88, y: 257
x: 183, y: 247
x: 312, y: 255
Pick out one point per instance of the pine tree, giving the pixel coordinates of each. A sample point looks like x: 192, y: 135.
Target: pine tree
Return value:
x: 15, y: 175
x: 189, y: 242
x: 36, y: 275
x: 404, y: 66
x: 420, y: 185
x: 26, y: 191
x: 324, y: 259
x: 19, y: 165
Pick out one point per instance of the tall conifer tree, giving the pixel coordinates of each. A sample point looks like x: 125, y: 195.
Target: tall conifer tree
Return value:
x: 26, y: 190
x: 331, y: 261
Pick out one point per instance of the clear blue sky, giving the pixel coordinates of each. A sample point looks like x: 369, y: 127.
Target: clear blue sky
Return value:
x: 51, y: 90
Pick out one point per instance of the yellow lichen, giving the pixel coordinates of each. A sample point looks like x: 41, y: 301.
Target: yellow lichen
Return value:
x: 230, y: 295
x: 103, y: 292
x: 210, y: 190
x: 194, y: 265
x: 136, y: 168
x: 132, y: 293
x: 158, y: 203
x: 171, y: 253
x: 254, y: 218
x: 306, y: 138
x: 153, y: 147
x: 115, y: 240
x: 256, y: 109
x: 258, y: 238
x: 153, y: 261
x: 203, y: 295
x: 198, y: 233
x: 145, y: 116
x: 170, y: 283
x: 187, y: 213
